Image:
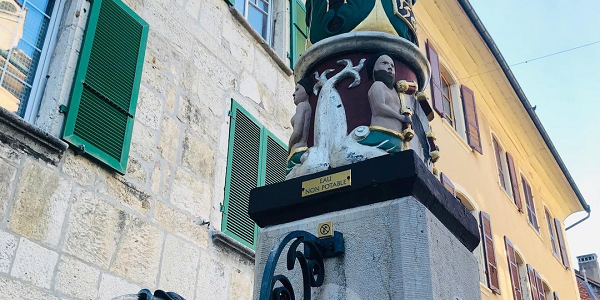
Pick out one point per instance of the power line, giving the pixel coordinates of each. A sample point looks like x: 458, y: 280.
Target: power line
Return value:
x: 538, y: 58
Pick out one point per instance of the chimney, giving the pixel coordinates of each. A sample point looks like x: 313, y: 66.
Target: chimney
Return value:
x: 589, y: 264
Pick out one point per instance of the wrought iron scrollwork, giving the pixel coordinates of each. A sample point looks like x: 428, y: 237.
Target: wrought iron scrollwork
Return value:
x: 279, y: 287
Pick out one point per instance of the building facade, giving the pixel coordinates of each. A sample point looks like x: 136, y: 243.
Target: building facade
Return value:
x: 138, y: 129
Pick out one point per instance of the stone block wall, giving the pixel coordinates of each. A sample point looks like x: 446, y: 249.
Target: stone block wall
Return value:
x: 71, y: 229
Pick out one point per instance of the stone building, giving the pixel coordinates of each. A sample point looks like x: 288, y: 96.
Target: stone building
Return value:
x: 142, y: 125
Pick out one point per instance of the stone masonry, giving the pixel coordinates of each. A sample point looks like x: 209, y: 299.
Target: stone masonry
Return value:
x: 71, y: 229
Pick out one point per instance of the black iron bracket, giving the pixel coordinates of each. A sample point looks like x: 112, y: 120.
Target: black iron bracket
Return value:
x: 278, y: 287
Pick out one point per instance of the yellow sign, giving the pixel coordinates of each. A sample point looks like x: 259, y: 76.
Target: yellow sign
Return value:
x: 325, y: 229
x: 327, y: 183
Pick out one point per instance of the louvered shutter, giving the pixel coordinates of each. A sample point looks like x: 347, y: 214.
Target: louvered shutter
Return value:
x: 561, y: 244
x: 540, y: 286
x: 275, y: 161
x: 299, y: 34
x: 242, y: 176
x: 471, y: 120
x: 514, y: 270
x: 436, y: 79
x: 447, y: 184
x: 514, y: 181
x: 532, y: 283
x: 105, y: 89
x: 531, y: 213
x: 551, y: 232
x: 498, y: 151
x: 489, y: 253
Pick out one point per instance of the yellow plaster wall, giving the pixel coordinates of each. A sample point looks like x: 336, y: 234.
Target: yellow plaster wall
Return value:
x: 501, y: 113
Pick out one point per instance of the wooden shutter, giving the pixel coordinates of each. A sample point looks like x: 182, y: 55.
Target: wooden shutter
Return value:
x: 531, y: 213
x: 489, y: 253
x: 275, y: 161
x: 447, y: 184
x: 514, y: 181
x: 540, y: 286
x: 532, y: 283
x: 552, y: 232
x: 498, y: 151
x: 243, y: 166
x: 105, y: 89
x: 436, y: 79
x: 471, y: 120
x: 299, y: 34
x: 513, y: 269
x: 561, y: 244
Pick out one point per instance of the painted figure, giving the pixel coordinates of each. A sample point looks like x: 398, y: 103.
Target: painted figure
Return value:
x: 300, y: 123
x: 386, y: 128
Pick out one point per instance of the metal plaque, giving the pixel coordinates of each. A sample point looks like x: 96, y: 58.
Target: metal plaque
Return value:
x: 327, y: 183
x: 325, y: 229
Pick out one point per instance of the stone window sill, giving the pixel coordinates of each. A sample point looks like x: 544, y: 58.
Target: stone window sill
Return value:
x: 220, y: 238
x: 282, y: 64
x: 25, y: 137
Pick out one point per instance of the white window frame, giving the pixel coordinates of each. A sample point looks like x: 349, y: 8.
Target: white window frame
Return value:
x: 269, y: 38
x: 505, y: 170
x: 458, y: 122
x: 39, y: 80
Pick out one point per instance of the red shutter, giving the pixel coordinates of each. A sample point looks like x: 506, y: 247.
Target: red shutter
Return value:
x: 514, y: 270
x: 561, y: 243
x: 447, y: 184
x: 540, y: 286
x: 514, y: 181
x: 436, y: 79
x: 533, y: 283
x: 471, y: 122
x: 498, y: 151
x: 489, y: 253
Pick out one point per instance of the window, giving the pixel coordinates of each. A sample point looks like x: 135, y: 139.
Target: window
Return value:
x: 531, y: 214
x: 259, y: 15
x: 539, y: 289
x: 478, y: 252
x: 447, y: 101
x: 515, y: 264
x: 25, y: 28
x: 255, y: 158
x: 105, y: 90
x: 506, y: 173
x: 551, y: 233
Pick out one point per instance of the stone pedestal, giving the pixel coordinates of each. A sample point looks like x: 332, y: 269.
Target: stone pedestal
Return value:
x: 405, y: 236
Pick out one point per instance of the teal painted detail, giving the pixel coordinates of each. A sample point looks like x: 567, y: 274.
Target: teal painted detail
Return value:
x: 231, y: 2
x: 102, y: 106
x: 324, y: 23
x: 255, y: 158
x: 382, y: 140
x: 294, y: 161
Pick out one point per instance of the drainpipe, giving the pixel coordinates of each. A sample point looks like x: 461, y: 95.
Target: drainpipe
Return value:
x: 577, y: 223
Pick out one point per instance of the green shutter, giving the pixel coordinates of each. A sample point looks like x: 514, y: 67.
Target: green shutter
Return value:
x: 299, y: 30
x: 255, y: 158
x: 106, y: 85
x: 231, y: 2
x: 275, y: 162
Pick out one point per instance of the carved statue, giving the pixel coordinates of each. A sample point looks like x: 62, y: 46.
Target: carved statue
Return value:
x: 300, y: 123
x: 386, y: 127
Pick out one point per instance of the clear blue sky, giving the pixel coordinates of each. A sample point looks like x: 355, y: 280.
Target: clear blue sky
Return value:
x: 564, y: 86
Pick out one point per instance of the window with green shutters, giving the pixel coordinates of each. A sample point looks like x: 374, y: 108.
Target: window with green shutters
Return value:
x: 255, y: 158
x: 104, y: 95
x: 299, y: 31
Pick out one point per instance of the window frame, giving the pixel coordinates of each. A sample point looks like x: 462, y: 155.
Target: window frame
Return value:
x: 501, y: 158
x: 552, y: 233
x: 270, y: 30
x: 38, y: 84
x: 450, y: 118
